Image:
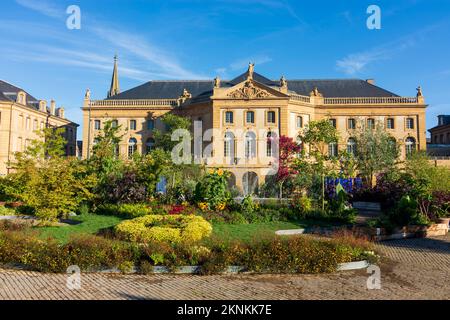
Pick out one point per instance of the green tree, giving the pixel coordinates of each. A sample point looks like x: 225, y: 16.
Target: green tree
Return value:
x: 318, y: 135
x: 105, y: 160
x: 181, y: 178
x: 376, y: 151
x: 51, y: 184
x: 172, y: 122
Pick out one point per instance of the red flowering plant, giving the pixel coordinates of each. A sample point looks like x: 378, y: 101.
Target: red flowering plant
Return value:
x: 181, y: 209
x: 288, y: 149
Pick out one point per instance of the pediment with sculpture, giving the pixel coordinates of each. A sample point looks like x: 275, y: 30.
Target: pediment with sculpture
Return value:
x: 249, y: 91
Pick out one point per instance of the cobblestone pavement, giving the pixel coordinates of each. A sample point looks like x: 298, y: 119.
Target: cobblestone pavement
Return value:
x: 411, y: 269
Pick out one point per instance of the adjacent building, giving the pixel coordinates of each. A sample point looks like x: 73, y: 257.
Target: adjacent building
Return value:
x: 21, y: 116
x: 441, y: 133
x: 438, y: 147
x: 245, y: 113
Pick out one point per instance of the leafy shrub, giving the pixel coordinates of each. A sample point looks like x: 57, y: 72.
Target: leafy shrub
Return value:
x: 4, y: 211
x: 124, y: 189
x: 88, y: 252
x: 441, y: 203
x: 303, y: 205
x: 213, y: 190
x: 173, y: 229
x: 230, y: 217
x: 125, y: 210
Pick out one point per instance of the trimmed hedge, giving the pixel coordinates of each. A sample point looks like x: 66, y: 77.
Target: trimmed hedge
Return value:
x: 170, y: 228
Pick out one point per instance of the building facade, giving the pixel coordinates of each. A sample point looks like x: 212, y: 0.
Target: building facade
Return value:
x: 441, y: 133
x: 245, y: 113
x: 21, y: 116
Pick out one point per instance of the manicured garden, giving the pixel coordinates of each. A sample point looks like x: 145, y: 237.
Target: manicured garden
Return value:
x: 106, y: 212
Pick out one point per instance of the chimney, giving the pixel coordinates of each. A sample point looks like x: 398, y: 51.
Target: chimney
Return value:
x: 371, y: 81
x: 53, y: 108
x: 61, y: 112
x: 43, y: 106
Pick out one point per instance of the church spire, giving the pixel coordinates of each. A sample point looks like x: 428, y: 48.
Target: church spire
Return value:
x: 115, y: 87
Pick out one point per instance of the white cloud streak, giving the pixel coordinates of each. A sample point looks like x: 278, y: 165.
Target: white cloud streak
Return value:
x: 355, y: 63
x: 42, y: 7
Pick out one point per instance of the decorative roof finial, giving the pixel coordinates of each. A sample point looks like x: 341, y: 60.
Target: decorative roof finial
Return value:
x: 315, y: 93
x: 251, y: 70
x: 419, y: 92
x: 283, y: 82
x: 217, y: 82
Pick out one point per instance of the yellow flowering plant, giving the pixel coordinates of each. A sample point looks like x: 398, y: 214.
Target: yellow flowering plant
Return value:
x: 212, y: 192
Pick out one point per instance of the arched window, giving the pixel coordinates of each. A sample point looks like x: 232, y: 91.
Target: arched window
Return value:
x: 270, y: 141
x: 410, y: 145
x: 149, y: 145
x: 351, y: 146
x: 250, y: 145
x: 393, y: 143
x: 333, y: 149
x: 228, y: 145
x: 301, y: 144
x: 132, y: 147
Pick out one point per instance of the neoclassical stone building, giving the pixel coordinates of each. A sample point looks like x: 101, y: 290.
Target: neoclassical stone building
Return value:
x: 21, y: 115
x: 246, y: 111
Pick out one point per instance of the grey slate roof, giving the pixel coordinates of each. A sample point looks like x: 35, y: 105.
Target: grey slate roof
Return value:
x: 204, y: 88
x: 8, y: 92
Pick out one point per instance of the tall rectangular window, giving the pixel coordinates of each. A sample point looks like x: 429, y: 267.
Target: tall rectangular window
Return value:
x: 333, y: 122
x: 371, y: 123
x: 229, y: 117
x: 333, y: 149
x: 150, y: 124
x: 299, y: 122
x: 132, y: 124
x: 410, y: 123
x: 390, y: 124
x: 351, y: 123
x: 250, y: 117
x: 97, y: 125
x: 271, y: 117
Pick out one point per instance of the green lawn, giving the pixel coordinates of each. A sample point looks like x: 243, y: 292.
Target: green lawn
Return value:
x: 90, y: 224
x: 252, y: 231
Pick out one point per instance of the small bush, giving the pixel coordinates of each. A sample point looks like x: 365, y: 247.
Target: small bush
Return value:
x: 4, y: 211
x: 125, y: 210
x: 173, y: 229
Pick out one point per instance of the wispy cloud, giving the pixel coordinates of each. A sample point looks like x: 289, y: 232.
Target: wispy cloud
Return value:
x: 357, y: 62
x: 283, y: 5
x: 142, y: 48
x: 43, y: 7
x: 154, y: 61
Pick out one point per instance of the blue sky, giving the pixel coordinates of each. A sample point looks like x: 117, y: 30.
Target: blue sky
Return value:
x: 198, y: 39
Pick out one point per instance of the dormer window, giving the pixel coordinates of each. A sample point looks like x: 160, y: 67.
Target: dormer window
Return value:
x: 22, y: 98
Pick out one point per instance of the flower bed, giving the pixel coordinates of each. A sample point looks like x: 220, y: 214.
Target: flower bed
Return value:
x: 93, y: 253
x: 172, y: 228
